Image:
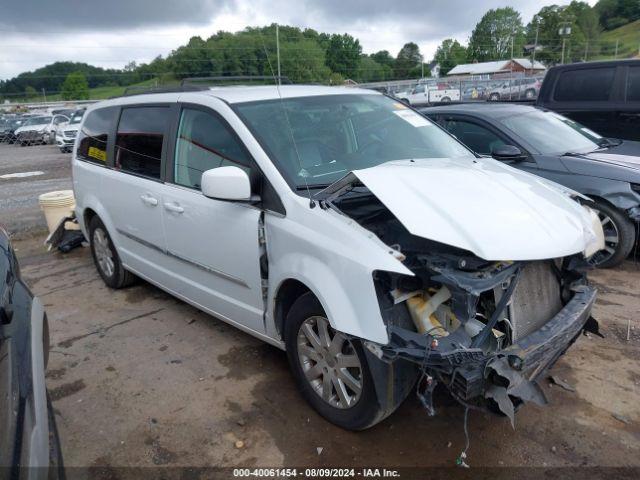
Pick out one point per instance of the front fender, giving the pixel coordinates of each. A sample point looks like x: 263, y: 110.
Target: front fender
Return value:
x: 335, y: 259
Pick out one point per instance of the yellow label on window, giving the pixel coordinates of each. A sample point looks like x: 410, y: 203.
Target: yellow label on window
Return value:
x: 98, y: 154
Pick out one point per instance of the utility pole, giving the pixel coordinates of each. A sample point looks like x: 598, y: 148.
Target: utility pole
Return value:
x: 512, y: 37
x: 564, y: 32
x: 422, y: 66
x: 44, y: 95
x: 616, y: 54
x: 586, y: 51
x: 278, y: 52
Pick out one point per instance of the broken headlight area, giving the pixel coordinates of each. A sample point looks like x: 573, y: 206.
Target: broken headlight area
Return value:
x: 486, y: 330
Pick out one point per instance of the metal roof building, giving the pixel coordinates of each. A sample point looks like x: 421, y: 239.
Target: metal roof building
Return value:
x: 500, y: 66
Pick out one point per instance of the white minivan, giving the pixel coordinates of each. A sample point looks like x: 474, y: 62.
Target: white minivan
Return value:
x: 344, y: 227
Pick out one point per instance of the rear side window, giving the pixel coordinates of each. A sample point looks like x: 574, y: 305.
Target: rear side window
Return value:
x: 479, y: 139
x: 633, y: 85
x: 93, y: 137
x: 585, y: 85
x: 140, y: 139
x: 203, y: 143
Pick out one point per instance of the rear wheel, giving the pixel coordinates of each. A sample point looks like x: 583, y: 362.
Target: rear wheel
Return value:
x: 494, y: 97
x: 106, y: 258
x: 530, y: 94
x: 445, y: 100
x: 619, y: 235
x: 330, y: 368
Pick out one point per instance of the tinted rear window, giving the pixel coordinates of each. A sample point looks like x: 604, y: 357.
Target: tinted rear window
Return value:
x: 139, y: 140
x: 633, y: 84
x: 584, y: 85
x: 94, y: 135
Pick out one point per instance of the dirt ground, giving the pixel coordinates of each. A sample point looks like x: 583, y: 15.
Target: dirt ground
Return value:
x: 139, y: 378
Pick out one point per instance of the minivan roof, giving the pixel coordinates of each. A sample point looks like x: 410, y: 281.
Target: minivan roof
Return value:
x: 242, y: 94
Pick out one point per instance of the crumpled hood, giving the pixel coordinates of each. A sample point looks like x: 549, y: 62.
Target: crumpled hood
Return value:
x: 480, y: 205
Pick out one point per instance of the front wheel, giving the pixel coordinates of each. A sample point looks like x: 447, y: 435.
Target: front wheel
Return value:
x: 445, y: 100
x: 530, y: 94
x: 494, y: 97
x: 330, y: 368
x: 619, y: 235
x: 105, y: 256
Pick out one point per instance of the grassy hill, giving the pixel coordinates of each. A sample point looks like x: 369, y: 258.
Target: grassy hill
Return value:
x: 628, y: 37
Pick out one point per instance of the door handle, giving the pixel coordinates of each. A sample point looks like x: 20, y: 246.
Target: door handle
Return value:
x: 149, y: 200
x: 173, y: 207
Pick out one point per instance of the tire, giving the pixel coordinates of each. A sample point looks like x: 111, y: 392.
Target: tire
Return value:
x: 445, y: 100
x: 494, y: 97
x: 106, y: 258
x: 530, y: 94
x: 364, y: 410
x: 615, y: 225
x: 405, y: 101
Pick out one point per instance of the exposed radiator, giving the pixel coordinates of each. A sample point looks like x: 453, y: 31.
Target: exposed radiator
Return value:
x: 535, y: 300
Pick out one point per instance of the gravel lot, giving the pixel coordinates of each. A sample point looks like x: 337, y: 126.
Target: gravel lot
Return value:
x: 139, y: 378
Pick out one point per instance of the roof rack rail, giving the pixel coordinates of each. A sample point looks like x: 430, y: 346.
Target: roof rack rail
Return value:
x: 234, y: 78
x: 142, y: 90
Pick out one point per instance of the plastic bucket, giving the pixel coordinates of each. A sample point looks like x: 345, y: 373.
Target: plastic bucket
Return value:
x: 56, y: 206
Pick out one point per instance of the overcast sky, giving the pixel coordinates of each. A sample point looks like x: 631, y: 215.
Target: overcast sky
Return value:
x: 110, y: 33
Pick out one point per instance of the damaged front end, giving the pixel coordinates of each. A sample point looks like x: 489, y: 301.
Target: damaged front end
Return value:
x: 487, y: 330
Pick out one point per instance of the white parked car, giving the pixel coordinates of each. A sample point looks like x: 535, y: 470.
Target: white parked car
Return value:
x: 347, y: 229
x: 39, y: 129
x: 66, y: 133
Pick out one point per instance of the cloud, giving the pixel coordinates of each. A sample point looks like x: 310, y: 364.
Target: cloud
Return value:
x: 110, y: 33
x: 87, y: 15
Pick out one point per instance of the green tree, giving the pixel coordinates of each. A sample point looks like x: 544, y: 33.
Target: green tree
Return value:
x: 30, y: 92
x: 343, y: 54
x: 583, y: 42
x: 371, y: 71
x: 495, y: 34
x: 615, y: 13
x: 75, y: 87
x: 383, y: 57
x: 408, y: 57
x: 449, y: 54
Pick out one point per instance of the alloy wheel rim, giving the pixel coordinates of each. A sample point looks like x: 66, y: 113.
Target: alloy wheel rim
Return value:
x: 611, y: 239
x: 103, y: 253
x: 330, y: 363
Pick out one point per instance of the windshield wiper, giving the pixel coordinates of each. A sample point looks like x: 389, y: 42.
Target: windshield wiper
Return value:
x: 314, y: 186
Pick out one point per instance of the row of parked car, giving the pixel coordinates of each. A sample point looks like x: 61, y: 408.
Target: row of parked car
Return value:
x: 59, y: 127
x: 430, y: 92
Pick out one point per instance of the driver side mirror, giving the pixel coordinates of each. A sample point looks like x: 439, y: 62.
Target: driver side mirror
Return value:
x: 508, y: 152
x: 226, y: 183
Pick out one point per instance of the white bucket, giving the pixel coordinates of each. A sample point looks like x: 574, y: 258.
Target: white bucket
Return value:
x: 56, y: 206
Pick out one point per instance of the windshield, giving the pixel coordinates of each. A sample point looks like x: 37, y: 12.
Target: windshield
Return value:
x: 77, y: 118
x: 550, y: 133
x: 38, y: 120
x: 335, y: 134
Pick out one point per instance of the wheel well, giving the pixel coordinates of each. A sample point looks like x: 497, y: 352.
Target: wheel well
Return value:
x: 290, y: 290
x: 88, y: 215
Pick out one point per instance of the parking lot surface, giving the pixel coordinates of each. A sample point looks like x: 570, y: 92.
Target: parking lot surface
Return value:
x: 139, y: 378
